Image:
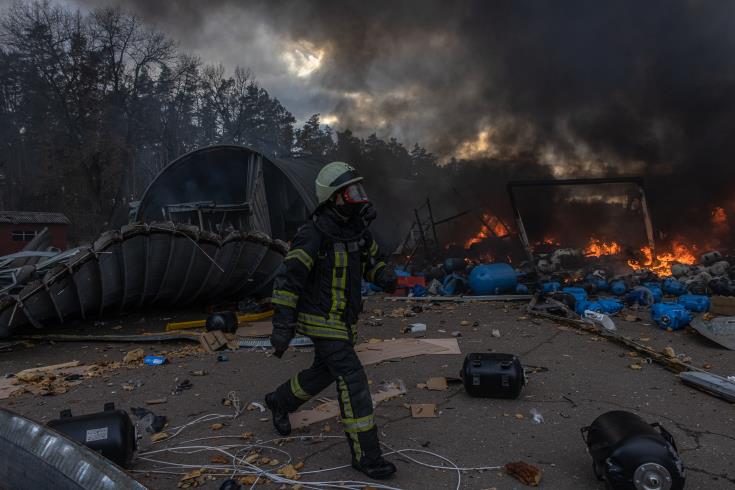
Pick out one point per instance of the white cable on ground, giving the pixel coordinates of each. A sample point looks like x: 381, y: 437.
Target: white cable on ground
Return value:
x: 240, y: 466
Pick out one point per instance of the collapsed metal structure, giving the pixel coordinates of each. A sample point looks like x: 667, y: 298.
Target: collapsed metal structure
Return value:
x: 143, y: 265
x: 211, y: 226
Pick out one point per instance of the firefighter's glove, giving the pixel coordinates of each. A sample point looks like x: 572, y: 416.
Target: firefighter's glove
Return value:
x: 281, y: 337
x: 386, y: 279
x: 368, y: 213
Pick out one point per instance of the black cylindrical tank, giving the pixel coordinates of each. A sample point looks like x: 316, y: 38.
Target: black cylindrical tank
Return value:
x: 630, y: 454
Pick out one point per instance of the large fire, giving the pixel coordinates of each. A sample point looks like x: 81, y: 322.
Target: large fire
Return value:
x: 662, y: 265
x: 598, y: 248
x: 492, y: 226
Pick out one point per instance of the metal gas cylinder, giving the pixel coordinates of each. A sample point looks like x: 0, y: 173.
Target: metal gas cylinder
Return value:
x: 629, y: 454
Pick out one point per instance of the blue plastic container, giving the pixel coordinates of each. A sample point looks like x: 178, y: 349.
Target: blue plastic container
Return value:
x: 670, y: 316
x: 493, y: 279
x: 418, y: 291
x: 655, y: 287
x: 579, y: 293
x: 618, y: 288
x: 605, y: 305
x: 600, y: 283
x: 610, y: 305
x: 522, y: 289
x: 640, y: 296
x: 694, y: 302
x: 154, y: 360
x: 551, y: 287
x: 454, y: 284
x: 673, y: 287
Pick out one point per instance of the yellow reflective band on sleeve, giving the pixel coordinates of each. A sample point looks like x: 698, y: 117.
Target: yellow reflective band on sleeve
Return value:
x: 284, y: 298
x: 321, y: 327
x: 297, y: 390
x: 362, y: 424
x: 371, y: 273
x: 374, y: 248
x: 302, y: 256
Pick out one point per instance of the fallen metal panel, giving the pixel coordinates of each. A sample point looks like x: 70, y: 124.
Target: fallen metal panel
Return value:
x: 710, y: 383
x: 111, y: 276
x: 720, y: 330
x: 34, y: 456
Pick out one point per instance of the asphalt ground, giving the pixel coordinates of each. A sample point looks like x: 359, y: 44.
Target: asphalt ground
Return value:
x: 582, y: 376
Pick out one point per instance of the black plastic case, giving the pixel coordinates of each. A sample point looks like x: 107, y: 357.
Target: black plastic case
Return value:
x: 493, y: 375
x: 111, y: 433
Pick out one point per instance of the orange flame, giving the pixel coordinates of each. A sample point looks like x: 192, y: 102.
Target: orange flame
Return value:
x: 719, y: 216
x: 662, y: 265
x: 598, y: 248
x: 497, y: 226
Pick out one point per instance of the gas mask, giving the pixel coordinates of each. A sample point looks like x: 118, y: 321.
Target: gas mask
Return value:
x: 353, y: 201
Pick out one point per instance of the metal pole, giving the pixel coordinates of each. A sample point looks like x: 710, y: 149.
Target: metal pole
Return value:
x: 431, y: 217
x: 421, y: 230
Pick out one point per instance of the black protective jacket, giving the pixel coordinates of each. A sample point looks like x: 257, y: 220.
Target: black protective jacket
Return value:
x: 318, y: 286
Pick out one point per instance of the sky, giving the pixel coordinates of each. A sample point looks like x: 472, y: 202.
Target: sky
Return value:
x: 600, y: 86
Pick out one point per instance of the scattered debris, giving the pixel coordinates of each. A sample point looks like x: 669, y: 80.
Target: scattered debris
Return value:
x: 156, y: 401
x: 216, y: 426
x: 154, y: 360
x: 495, y: 333
x: 537, y: 418
x: 423, y: 410
x: 524, y: 472
x: 415, y: 328
x: 160, y: 436
x: 148, y: 420
x: 199, y: 372
x: 214, y: 340
x: 180, y: 386
x: 437, y: 384
x: 134, y: 356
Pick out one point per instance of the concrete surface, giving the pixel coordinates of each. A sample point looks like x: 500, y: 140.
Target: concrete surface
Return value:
x: 586, y: 376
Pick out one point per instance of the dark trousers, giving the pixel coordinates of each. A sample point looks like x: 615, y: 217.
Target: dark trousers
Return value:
x: 336, y: 360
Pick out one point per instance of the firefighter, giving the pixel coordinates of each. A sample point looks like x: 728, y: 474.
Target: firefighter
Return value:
x: 317, y: 292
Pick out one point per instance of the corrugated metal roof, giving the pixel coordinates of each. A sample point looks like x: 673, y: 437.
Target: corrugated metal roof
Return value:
x: 33, y: 217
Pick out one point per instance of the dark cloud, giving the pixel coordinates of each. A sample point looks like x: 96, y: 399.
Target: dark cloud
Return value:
x: 587, y: 87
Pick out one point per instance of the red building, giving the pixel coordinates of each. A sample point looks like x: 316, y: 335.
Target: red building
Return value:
x: 17, y: 228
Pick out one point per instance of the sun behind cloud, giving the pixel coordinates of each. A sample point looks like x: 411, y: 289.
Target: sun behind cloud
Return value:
x: 302, y: 58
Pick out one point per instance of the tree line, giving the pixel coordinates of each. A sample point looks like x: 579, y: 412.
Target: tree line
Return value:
x: 93, y: 106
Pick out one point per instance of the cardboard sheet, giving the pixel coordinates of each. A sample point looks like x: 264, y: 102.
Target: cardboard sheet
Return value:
x: 372, y: 353
x: 329, y: 410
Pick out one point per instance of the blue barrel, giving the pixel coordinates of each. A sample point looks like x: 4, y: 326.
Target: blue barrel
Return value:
x: 639, y: 296
x: 600, y: 283
x: 604, y: 305
x: 655, y: 287
x: 670, y: 316
x: 694, y: 302
x: 579, y: 293
x: 551, y: 287
x: 493, y: 279
x: 522, y: 289
x: 674, y: 287
x: 610, y: 305
x: 618, y: 288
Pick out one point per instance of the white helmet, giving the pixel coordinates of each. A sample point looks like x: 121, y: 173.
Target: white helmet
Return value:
x: 334, y: 177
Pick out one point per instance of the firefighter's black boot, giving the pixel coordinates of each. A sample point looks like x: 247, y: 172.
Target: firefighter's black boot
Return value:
x: 377, y: 469
x: 280, y: 415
